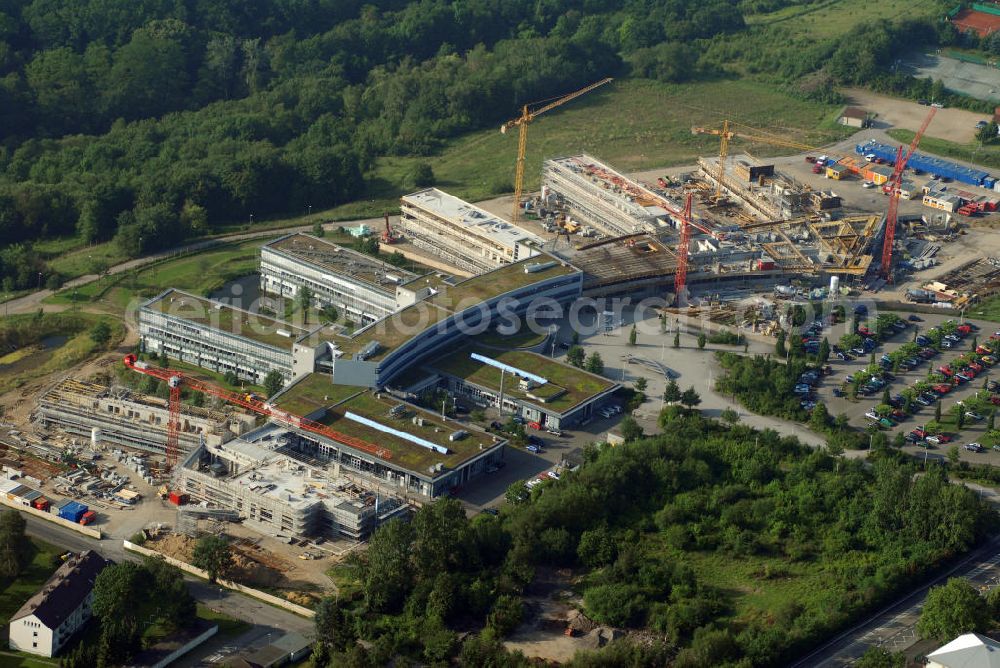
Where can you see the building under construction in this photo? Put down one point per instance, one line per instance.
(595, 195)
(281, 493)
(360, 286)
(763, 192)
(462, 234)
(104, 415)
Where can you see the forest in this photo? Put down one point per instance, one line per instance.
(149, 121)
(723, 545)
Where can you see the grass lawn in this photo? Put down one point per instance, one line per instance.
(988, 309)
(228, 626)
(78, 347)
(631, 124)
(833, 18)
(13, 593)
(199, 274)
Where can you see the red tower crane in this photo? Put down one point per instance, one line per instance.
(680, 277)
(894, 185)
(175, 379)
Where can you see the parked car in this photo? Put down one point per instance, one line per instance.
(996, 448)
(914, 318)
(919, 432)
(868, 184)
(972, 415)
(837, 392)
(923, 401)
(946, 370)
(945, 343)
(975, 447)
(532, 448)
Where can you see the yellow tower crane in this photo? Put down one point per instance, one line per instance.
(522, 121)
(725, 135)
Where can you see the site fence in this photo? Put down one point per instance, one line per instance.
(228, 584)
(55, 519)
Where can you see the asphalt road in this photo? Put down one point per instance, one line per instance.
(264, 617)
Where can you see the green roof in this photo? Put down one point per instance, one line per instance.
(403, 325)
(407, 454)
(313, 392)
(567, 386)
(225, 318)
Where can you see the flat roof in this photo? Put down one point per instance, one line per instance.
(567, 386)
(399, 327)
(314, 392)
(336, 259)
(225, 318)
(469, 217)
(405, 453)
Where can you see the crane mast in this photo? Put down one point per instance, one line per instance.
(522, 121)
(895, 185)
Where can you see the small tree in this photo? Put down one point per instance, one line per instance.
(991, 421)
(953, 609)
(330, 313)
(672, 393)
(632, 336)
(213, 555)
(690, 398)
(729, 416)
(318, 230)
(953, 454)
(824, 351)
(819, 418)
(779, 345)
(575, 356)
(702, 340)
(631, 431)
(305, 298)
(886, 397)
(101, 333)
(937, 411)
(420, 175)
(273, 382)
(594, 364)
(575, 339)
(640, 384)
(231, 378)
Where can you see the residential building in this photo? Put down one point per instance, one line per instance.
(461, 234)
(49, 619)
(970, 650)
(361, 287)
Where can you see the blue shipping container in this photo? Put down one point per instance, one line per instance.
(72, 511)
(926, 163)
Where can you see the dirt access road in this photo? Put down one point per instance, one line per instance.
(957, 125)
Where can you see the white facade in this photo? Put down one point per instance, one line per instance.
(47, 621)
(362, 287)
(28, 634)
(210, 346)
(461, 234)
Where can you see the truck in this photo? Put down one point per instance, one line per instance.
(178, 498)
(88, 517)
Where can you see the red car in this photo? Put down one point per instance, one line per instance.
(976, 366)
(535, 425)
(946, 371)
(995, 400)
(942, 388)
(963, 329)
(864, 331)
(919, 432)
(983, 349)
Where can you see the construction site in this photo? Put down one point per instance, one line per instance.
(373, 419)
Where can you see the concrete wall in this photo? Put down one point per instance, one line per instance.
(228, 584)
(51, 517)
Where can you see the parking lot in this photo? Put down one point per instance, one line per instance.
(855, 410)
